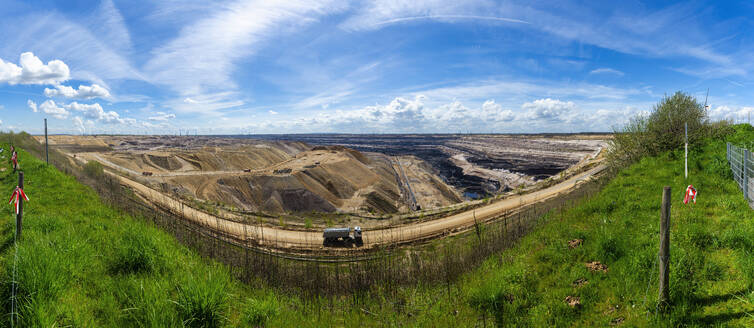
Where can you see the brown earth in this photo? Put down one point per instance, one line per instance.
(281, 238)
(263, 176)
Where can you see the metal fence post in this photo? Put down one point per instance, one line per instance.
(745, 182)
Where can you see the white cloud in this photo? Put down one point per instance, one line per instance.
(272, 112)
(634, 30)
(550, 109)
(523, 91)
(32, 105)
(83, 92)
(95, 46)
(95, 112)
(377, 14)
(162, 116)
(49, 107)
(224, 36)
(420, 114)
(107, 23)
(736, 114)
(207, 103)
(494, 111)
(33, 71)
(410, 115)
(607, 70)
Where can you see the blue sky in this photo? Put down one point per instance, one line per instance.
(365, 66)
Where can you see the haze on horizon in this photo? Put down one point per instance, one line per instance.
(435, 66)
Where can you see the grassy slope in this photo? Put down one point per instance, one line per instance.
(712, 252)
(84, 264)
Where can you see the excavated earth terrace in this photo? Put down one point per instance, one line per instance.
(358, 174)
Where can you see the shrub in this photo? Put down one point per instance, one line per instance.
(94, 169)
(663, 130)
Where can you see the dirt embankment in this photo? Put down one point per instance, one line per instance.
(275, 237)
(270, 177)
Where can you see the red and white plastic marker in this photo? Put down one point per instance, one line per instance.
(18, 192)
(14, 159)
(690, 195)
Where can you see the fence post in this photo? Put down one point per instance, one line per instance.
(20, 214)
(745, 182)
(664, 249)
(47, 155)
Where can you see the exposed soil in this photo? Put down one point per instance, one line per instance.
(236, 227)
(475, 165)
(579, 282)
(362, 175)
(574, 243)
(596, 266)
(573, 301)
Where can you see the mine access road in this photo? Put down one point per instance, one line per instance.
(296, 240)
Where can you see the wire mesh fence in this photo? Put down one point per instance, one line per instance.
(352, 271)
(742, 167)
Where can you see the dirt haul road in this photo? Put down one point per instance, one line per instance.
(97, 157)
(280, 238)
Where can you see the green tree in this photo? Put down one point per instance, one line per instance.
(661, 130)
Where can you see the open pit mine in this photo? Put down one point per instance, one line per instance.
(357, 174)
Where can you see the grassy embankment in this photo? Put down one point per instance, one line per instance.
(82, 263)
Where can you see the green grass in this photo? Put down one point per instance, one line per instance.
(711, 253)
(84, 264)
(81, 263)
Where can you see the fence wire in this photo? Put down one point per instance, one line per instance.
(352, 272)
(742, 166)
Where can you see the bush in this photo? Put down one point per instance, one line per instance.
(663, 130)
(94, 169)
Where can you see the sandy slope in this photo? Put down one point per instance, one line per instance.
(282, 238)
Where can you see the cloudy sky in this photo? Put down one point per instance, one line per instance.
(209, 67)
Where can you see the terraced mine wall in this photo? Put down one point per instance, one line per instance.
(352, 271)
(536, 156)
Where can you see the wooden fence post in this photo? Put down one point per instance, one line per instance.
(47, 155)
(20, 213)
(664, 249)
